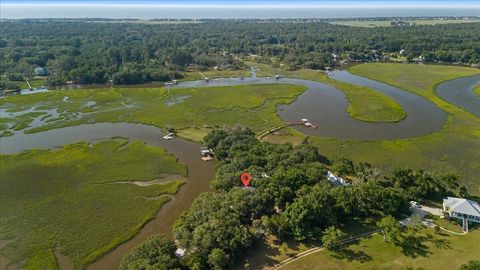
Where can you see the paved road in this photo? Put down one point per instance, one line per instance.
(426, 210)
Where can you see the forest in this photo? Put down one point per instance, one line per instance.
(289, 197)
(87, 51)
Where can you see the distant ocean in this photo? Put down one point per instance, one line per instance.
(155, 12)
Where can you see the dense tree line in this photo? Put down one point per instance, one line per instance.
(289, 197)
(127, 53)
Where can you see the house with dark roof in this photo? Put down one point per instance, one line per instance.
(463, 209)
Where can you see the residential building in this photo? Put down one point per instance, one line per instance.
(41, 71)
(463, 209)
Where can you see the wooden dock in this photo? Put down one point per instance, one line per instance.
(295, 123)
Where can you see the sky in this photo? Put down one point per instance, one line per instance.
(256, 3)
(148, 9)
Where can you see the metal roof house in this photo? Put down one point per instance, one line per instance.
(336, 180)
(459, 208)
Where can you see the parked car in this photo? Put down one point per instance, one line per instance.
(415, 204)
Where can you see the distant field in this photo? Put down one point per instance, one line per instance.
(380, 23)
(146, 21)
(69, 200)
(445, 251)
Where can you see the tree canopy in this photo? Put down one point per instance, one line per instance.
(87, 51)
(290, 197)
(156, 253)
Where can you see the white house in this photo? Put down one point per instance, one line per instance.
(459, 208)
(180, 252)
(336, 180)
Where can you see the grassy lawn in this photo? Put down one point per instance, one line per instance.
(212, 74)
(454, 149)
(189, 110)
(476, 90)
(70, 200)
(437, 251)
(264, 70)
(286, 134)
(452, 225)
(35, 82)
(270, 250)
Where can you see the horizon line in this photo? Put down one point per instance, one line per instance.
(344, 4)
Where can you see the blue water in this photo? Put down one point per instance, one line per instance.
(12, 11)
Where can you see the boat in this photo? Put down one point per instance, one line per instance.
(169, 136)
(207, 158)
(207, 153)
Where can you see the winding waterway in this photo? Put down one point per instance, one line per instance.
(199, 172)
(324, 105)
(460, 93)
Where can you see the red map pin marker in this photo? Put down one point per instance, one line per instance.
(246, 177)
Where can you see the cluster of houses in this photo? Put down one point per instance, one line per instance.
(464, 210)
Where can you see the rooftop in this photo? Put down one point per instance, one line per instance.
(462, 206)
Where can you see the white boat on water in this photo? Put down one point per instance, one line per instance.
(169, 136)
(207, 153)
